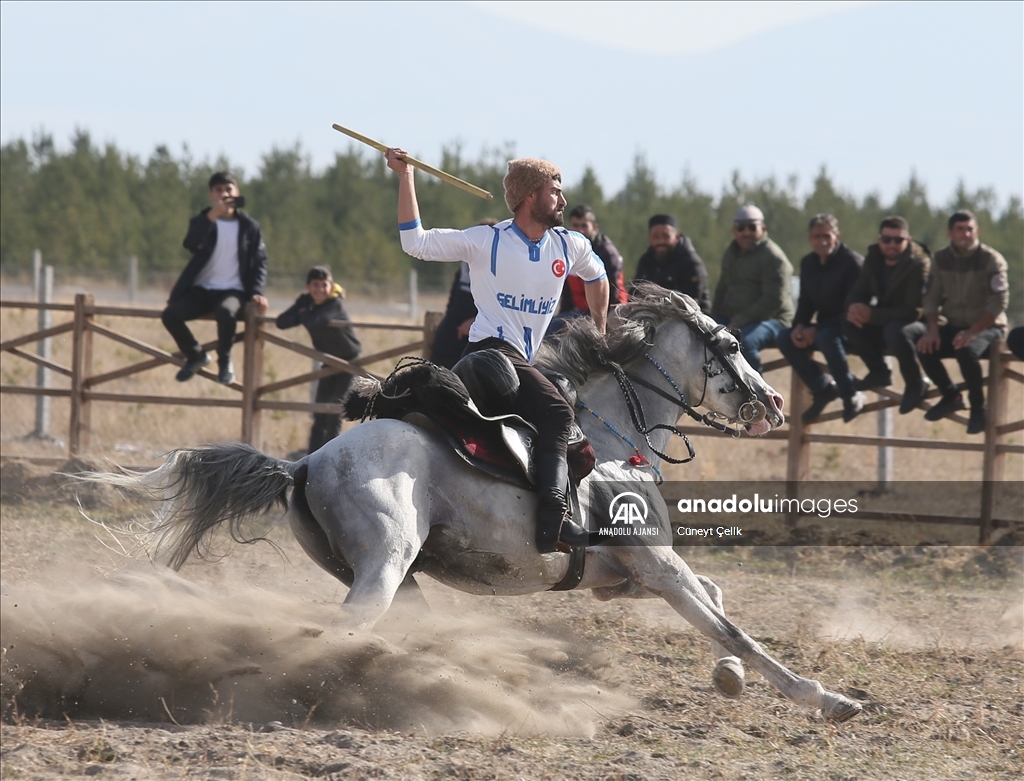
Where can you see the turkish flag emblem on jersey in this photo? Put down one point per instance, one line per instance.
(558, 267)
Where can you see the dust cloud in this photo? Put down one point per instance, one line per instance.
(154, 647)
(979, 620)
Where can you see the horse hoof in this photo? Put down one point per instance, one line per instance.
(729, 677)
(841, 709)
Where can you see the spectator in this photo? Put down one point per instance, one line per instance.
(227, 270)
(886, 297)
(573, 302)
(452, 335)
(1015, 341)
(827, 276)
(753, 293)
(322, 303)
(969, 287)
(672, 262)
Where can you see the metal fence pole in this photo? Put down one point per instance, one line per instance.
(413, 290)
(133, 278)
(44, 348)
(885, 452)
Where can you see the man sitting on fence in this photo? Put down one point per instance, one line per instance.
(968, 286)
(885, 298)
(672, 261)
(826, 277)
(317, 309)
(227, 270)
(753, 293)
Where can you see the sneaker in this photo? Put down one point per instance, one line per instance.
(821, 399)
(947, 405)
(192, 365)
(913, 395)
(976, 425)
(853, 406)
(226, 371)
(873, 380)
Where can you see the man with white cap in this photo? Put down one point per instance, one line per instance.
(517, 270)
(753, 293)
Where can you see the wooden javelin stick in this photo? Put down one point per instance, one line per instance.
(444, 177)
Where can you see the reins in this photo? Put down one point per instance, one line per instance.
(748, 411)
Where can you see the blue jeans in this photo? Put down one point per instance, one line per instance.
(832, 345)
(755, 337)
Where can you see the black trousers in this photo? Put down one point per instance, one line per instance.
(968, 357)
(448, 347)
(871, 342)
(224, 305)
(538, 401)
(327, 425)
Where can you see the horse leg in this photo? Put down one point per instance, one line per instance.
(662, 572)
(315, 542)
(728, 677)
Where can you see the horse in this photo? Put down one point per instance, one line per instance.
(390, 494)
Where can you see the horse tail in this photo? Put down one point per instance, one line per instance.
(201, 488)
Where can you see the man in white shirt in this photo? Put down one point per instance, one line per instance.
(227, 270)
(517, 270)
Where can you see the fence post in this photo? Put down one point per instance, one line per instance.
(413, 291)
(133, 278)
(81, 369)
(431, 320)
(992, 459)
(798, 450)
(44, 291)
(252, 374)
(885, 452)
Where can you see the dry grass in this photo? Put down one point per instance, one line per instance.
(934, 652)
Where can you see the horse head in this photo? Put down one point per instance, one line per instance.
(697, 363)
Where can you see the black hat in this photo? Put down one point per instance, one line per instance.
(661, 219)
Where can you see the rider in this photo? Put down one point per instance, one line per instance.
(518, 268)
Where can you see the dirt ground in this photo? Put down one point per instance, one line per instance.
(235, 668)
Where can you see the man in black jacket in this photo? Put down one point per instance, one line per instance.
(888, 296)
(672, 262)
(227, 270)
(827, 275)
(321, 304)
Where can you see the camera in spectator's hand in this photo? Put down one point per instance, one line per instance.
(239, 201)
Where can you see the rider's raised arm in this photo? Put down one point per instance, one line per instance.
(435, 244)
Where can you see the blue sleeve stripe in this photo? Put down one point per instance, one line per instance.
(408, 226)
(596, 279)
(494, 253)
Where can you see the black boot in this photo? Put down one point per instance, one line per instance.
(555, 532)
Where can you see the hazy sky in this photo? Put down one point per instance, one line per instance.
(871, 90)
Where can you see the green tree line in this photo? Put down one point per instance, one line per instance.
(90, 208)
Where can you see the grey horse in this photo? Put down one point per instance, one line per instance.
(390, 497)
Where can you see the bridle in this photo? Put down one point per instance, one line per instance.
(712, 341)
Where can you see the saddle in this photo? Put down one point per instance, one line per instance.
(499, 443)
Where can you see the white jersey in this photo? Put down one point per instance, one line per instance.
(221, 270)
(516, 283)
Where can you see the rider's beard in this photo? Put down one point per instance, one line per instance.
(549, 218)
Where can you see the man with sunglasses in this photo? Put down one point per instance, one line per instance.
(969, 287)
(753, 293)
(885, 299)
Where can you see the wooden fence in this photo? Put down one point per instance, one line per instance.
(252, 395)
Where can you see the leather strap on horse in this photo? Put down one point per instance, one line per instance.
(573, 575)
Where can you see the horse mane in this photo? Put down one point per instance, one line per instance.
(581, 350)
